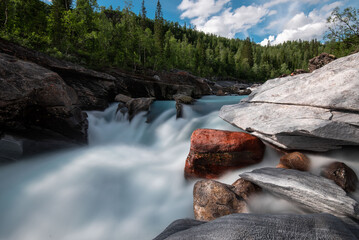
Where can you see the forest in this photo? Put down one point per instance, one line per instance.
(99, 37)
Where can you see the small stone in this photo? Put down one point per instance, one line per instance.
(295, 160)
(245, 189)
(212, 199)
(342, 175)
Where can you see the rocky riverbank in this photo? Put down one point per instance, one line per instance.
(42, 99)
(315, 111)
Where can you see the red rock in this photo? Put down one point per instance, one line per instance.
(342, 175)
(295, 160)
(213, 152)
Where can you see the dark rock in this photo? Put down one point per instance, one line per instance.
(182, 99)
(295, 160)
(212, 199)
(262, 226)
(342, 175)
(213, 152)
(309, 191)
(320, 61)
(245, 189)
(179, 109)
(122, 98)
(298, 71)
(94, 89)
(137, 105)
(36, 101)
(164, 88)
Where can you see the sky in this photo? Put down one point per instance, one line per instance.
(263, 21)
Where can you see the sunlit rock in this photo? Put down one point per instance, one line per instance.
(213, 152)
(316, 111)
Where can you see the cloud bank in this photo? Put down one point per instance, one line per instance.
(279, 20)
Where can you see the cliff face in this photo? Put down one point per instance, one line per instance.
(317, 111)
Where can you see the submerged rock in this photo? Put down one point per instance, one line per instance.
(213, 152)
(295, 160)
(316, 111)
(262, 226)
(212, 199)
(342, 175)
(309, 191)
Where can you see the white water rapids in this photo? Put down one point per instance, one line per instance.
(127, 184)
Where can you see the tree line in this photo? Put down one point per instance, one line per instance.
(101, 37)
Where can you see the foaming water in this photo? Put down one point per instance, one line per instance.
(127, 184)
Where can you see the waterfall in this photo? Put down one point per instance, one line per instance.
(127, 184)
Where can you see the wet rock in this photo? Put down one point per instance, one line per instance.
(213, 152)
(212, 200)
(164, 87)
(342, 175)
(320, 61)
(316, 111)
(262, 226)
(182, 99)
(295, 160)
(245, 189)
(122, 98)
(35, 101)
(137, 105)
(309, 191)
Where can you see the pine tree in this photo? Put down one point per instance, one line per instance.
(159, 41)
(143, 15)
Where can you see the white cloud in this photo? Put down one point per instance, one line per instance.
(304, 27)
(200, 10)
(231, 21)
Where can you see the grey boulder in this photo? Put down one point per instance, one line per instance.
(261, 226)
(316, 111)
(309, 191)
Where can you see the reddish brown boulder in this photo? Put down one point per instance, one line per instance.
(212, 199)
(295, 160)
(245, 189)
(320, 61)
(342, 175)
(214, 151)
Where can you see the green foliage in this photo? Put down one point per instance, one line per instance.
(343, 33)
(101, 38)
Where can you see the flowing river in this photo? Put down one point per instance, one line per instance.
(127, 184)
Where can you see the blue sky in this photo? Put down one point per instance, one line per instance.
(262, 20)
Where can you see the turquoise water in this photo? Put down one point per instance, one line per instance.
(127, 184)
